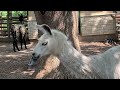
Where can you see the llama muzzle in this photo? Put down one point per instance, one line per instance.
(33, 60)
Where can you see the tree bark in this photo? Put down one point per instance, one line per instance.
(67, 22)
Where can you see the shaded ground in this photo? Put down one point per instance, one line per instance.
(94, 48)
(13, 65)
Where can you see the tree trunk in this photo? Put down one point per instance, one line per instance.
(67, 22)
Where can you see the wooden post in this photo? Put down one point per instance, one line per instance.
(27, 14)
(9, 14)
(79, 22)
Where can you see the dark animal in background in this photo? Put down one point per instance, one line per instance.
(111, 41)
(18, 33)
(21, 19)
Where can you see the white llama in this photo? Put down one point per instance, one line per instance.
(102, 66)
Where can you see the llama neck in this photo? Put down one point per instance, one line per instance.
(75, 62)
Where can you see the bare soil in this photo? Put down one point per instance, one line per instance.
(94, 48)
(13, 65)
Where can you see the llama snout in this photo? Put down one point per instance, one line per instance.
(33, 59)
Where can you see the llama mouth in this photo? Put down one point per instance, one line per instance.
(33, 61)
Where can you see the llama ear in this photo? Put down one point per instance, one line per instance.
(44, 28)
(40, 29)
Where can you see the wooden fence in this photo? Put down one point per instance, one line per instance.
(5, 23)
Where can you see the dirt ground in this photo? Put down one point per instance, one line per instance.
(94, 48)
(13, 65)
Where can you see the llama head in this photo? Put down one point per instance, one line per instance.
(46, 45)
(12, 28)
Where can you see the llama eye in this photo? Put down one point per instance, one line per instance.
(45, 43)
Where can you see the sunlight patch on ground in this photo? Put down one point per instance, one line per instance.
(28, 72)
(25, 51)
(16, 71)
(13, 56)
(3, 46)
(7, 60)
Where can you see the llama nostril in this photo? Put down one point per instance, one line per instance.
(33, 54)
(38, 56)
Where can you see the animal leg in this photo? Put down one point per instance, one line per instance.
(21, 43)
(16, 45)
(24, 42)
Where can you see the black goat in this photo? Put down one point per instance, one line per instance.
(19, 34)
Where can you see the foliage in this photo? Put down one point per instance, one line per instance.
(3, 13)
(14, 13)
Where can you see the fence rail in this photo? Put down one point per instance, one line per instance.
(17, 22)
(10, 18)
